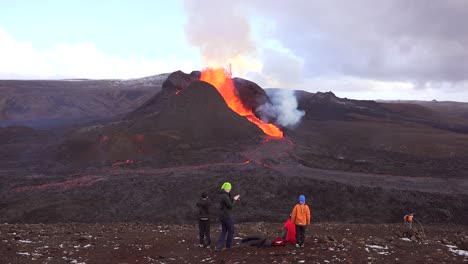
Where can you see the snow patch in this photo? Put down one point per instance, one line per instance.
(456, 251)
(76, 262)
(459, 252)
(379, 249)
(376, 247)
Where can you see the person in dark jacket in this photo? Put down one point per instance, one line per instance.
(256, 241)
(204, 220)
(225, 216)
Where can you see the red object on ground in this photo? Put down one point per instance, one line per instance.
(291, 236)
(278, 242)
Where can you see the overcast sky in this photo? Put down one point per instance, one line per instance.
(363, 49)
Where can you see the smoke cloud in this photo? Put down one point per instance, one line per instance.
(416, 44)
(222, 31)
(219, 29)
(283, 109)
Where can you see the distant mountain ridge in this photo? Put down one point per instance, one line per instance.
(43, 102)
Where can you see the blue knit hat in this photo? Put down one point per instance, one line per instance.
(302, 198)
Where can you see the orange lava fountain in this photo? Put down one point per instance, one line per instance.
(222, 80)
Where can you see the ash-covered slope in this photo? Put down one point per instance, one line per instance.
(450, 116)
(198, 112)
(250, 94)
(327, 106)
(402, 138)
(178, 117)
(175, 82)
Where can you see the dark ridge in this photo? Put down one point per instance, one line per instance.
(200, 112)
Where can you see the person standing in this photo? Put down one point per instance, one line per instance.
(226, 204)
(204, 220)
(300, 216)
(408, 219)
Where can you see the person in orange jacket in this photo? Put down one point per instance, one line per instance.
(300, 216)
(408, 219)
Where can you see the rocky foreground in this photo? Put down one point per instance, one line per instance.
(153, 243)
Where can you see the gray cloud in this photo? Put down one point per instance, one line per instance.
(385, 40)
(219, 29)
(280, 69)
(421, 42)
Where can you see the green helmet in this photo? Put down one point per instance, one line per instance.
(226, 186)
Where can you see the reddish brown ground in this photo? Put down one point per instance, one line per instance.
(153, 243)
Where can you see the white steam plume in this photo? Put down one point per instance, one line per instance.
(283, 109)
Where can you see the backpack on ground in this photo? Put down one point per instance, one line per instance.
(279, 242)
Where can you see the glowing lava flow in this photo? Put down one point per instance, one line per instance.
(221, 79)
(272, 148)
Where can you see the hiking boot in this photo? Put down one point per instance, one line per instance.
(297, 245)
(302, 245)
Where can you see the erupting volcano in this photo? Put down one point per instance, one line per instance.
(221, 79)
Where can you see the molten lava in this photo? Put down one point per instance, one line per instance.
(221, 79)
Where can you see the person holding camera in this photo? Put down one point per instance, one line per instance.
(226, 204)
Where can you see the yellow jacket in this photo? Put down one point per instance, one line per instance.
(300, 215)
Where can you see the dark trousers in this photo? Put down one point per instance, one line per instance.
(409, 224)
(204, 229)
(300, 234)
(227, 226)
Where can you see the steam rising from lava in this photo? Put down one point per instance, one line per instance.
(221, 79)
(283, 108)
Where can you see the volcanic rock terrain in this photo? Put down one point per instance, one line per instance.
(356, 161)
(161, 243)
